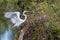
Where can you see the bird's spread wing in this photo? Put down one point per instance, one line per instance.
(14, 18)
(8, 14)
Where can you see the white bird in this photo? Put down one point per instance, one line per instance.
(15, 18)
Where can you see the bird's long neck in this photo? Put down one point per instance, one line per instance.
(25, 16)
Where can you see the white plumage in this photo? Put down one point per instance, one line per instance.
(15, 18)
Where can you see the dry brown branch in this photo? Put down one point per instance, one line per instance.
(27, 29)
(23, 30)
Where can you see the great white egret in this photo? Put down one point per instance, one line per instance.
(15, 18)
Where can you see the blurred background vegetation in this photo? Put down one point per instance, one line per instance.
(48, 29)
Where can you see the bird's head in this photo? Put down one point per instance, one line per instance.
(26, 12)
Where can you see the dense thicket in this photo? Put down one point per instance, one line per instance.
(48, 29)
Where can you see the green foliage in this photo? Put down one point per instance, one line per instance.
(49, 7)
